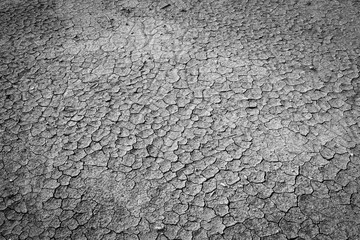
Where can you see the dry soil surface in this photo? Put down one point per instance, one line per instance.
(179, 119)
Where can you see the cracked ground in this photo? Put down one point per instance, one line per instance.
(179, 119)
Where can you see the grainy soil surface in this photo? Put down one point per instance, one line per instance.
(180, 119)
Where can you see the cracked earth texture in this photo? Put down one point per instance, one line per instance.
(180, 119)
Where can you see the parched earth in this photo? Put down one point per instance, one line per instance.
(179, 119)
